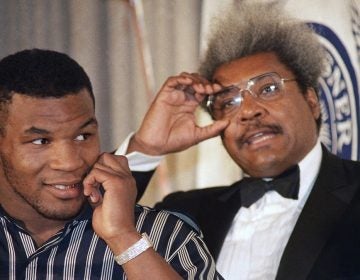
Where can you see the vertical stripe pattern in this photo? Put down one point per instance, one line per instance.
(78, 253)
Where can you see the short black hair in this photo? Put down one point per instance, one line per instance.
(41, 73)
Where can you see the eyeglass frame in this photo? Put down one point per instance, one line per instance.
(249, 84)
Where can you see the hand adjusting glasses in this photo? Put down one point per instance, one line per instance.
(266, 87)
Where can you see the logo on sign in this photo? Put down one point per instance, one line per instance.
(339, 98)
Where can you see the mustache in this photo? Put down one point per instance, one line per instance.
(274, 128)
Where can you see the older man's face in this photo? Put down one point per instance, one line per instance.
(265, 137)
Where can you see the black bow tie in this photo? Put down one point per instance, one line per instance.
(286, 184)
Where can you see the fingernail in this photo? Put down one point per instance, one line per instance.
(93, 198)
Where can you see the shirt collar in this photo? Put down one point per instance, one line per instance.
(309, 169)
(84, 215)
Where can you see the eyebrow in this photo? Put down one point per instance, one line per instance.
(36, 130)
(91, 121)
(224, 87)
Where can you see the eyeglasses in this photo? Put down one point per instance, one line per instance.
(266, 87)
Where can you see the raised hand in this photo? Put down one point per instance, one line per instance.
(113, 216)
(114, 211)
(170, 123)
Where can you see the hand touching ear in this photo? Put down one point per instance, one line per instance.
(113, 217)
(114, 211)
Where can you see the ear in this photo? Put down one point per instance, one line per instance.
(312, 99)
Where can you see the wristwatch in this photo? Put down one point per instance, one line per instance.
(134, 250)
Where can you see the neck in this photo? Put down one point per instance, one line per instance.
(41, 234)
(38, 227)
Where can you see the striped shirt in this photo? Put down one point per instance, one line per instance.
(76, 252)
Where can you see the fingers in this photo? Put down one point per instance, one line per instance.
(92, 191)
(112, 163)
(114, 210)
(109, 171)
(200, 84)
(192, 84)
(211, 130)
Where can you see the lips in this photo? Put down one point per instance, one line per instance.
(258, 135)
(65, 186)
(65, 190)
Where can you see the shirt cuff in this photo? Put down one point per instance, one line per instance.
(138, 161)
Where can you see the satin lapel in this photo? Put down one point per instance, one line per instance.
(218, 218)
(326, 204)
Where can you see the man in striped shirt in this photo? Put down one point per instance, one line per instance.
(67, 211)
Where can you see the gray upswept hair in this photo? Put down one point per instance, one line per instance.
(249, 28)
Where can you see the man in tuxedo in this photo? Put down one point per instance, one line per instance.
(297, 215)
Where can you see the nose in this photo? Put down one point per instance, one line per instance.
(66, 157)
(250, 109)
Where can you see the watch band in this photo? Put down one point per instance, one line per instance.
(134, 250)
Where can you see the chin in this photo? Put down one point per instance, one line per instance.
(61, 213)
(264, 169)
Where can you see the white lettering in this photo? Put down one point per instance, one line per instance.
(336, 81)
(344, 134)
(328, 66)
(342, 108)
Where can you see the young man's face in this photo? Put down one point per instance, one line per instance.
(265, 137)
(48, 146)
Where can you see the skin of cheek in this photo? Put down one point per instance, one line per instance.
(295, 141)
(26, 177)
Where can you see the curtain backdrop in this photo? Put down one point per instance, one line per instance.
(102, 35)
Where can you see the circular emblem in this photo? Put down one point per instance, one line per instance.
(339, 97)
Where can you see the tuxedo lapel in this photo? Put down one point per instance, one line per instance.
(327, 202)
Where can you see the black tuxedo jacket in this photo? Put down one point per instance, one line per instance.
(325, 243)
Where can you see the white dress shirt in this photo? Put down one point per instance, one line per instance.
(138, 161)
(258, 235)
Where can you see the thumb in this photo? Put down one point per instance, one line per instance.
(212, 130)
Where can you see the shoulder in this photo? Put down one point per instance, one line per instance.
(195, 203)
(148, 219)
(196, 194)
(340, 177)
(333, 164)
(190, 201)
(166, 229)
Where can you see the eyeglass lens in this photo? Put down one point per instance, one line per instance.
(266, 87)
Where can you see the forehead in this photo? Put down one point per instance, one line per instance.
(50, 113)
(249, 67)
